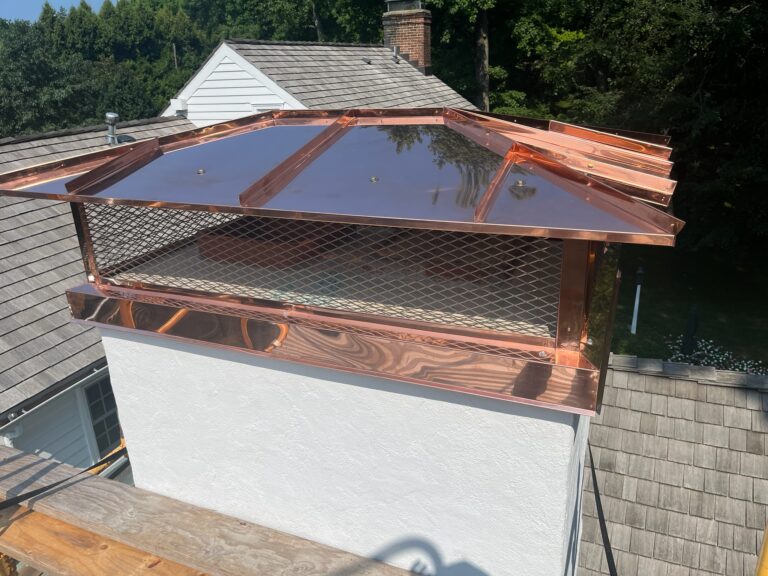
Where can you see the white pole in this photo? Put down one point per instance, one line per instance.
(640, 274)
(633, 328)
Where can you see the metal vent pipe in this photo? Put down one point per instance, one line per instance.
(111, 118)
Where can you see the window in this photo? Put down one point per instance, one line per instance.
(103, 410)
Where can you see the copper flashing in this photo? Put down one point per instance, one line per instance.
(638, 173)
(644, 147)
(468, 371)
(538, 348)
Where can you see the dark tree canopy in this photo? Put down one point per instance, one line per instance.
(693, 69)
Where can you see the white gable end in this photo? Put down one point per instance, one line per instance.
(229, 87)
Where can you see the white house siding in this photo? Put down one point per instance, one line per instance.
(411, 475)
(58, 429)
(228, 87)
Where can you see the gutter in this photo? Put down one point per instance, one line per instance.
(16, 413)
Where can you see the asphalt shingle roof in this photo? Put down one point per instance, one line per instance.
(682, 467)
(334, 76)
(40, 259)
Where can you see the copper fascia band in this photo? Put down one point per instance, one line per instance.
(397, 328)
(661, 238)
(465, 371)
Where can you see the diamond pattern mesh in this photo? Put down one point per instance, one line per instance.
(480, 281)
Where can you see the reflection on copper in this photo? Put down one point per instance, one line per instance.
(638, 174)
(567, 144)
(478, 134)
(485, 203)
(280, 338)
(616, 166)
(274, 181)
(573, 288)
(244, 331)
(611, 139)
(247, 124)
(124, 314)
(601, 306)
(404, 121)
(461, 370)
(172, 321)
(602, 195)
(536, 347)
(84, 240)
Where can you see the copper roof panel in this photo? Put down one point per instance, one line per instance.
(415, 172)
(213, 173)
(427, 168)
(535, 197)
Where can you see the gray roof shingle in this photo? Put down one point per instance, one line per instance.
(682, 467)
(323, 75)
(40, 259)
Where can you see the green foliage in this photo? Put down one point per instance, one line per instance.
(710, 353)
(69, 68)
(693, 69)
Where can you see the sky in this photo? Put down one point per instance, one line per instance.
(30, 9)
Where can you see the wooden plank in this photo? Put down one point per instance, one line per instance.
(202, 539)
(55, 547)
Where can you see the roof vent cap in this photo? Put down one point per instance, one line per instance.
(111, 118)
(179, 107)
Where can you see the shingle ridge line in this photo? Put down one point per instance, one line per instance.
(83, 129)
(301, 43)
(687, 371)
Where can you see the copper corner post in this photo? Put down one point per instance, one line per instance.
(480, 285)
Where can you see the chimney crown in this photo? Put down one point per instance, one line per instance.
(399, 5)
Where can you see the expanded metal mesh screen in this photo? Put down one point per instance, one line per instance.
(480, 281)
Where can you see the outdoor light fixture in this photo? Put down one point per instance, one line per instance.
(446, 248)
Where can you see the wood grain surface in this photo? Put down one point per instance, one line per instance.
(55, 547)
(157, 525)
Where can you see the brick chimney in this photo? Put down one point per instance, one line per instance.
(407, 27)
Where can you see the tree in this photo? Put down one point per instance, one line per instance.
(693, 69)
(475, 12)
